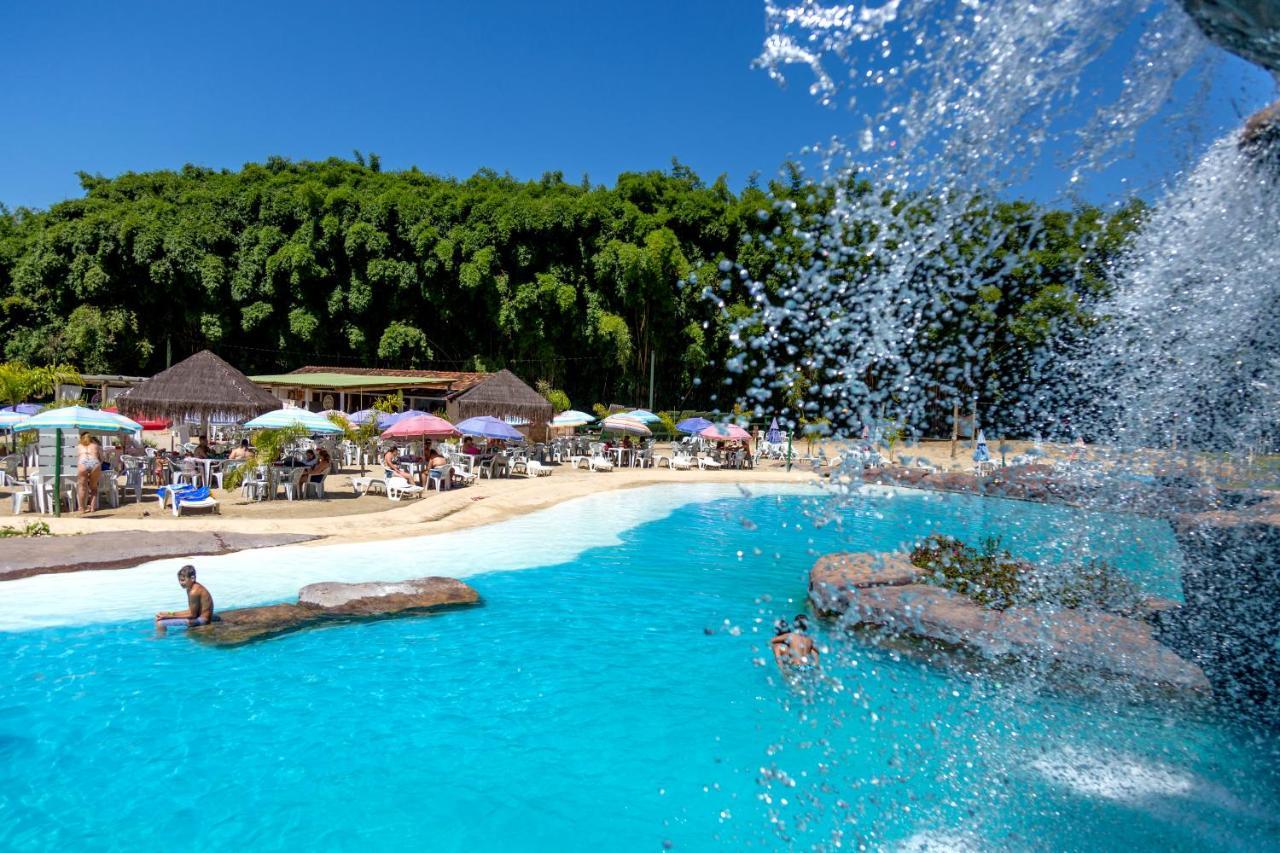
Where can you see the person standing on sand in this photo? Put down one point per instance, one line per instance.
(88, 473)
(199, 604)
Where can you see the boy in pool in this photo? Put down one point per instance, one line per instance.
(199, 603)
(793, 649)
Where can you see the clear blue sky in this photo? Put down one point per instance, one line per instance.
(523, 87)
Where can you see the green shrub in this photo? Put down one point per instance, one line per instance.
(35, 528)
(993, 577)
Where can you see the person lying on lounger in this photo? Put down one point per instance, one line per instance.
(199, 603)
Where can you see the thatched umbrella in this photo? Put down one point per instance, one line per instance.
(202, 386)
(502, 395)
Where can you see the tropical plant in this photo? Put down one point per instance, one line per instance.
(19, 383)
(269, 447)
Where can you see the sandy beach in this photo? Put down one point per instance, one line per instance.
(345, 517)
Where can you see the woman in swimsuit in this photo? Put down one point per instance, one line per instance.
(88, 472)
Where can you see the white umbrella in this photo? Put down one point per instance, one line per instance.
(625, 426)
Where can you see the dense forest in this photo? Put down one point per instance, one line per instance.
(584, 286)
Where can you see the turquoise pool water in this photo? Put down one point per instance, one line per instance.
(612, 701)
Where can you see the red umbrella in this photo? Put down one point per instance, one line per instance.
(420, 426)
(726, 432)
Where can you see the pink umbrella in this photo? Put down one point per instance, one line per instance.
(726, 432)
(420, 426)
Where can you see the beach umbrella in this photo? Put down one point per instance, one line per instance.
(80, 419)
(27, 409)
(624, 426)
(9, 419)
(74, 419)
(407, 414)
(980, 451)
(726, 432)
(281, 418)
(693, 425)
(774, 435)
(644, 416)
(572, 418)
(364, 415)
(489, 427)
(420, 426)
(328, 413)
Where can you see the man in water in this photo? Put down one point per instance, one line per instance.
(199, 603)
(793, 649)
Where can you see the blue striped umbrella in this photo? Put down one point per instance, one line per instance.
(281, 418)
(8, 420)
(644, 416)
(78, 418)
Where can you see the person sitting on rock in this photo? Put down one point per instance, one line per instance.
(793, 649)
(199, 604)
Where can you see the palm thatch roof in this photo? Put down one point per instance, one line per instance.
(502, 395)
(201, 386)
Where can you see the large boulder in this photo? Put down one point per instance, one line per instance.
(329, 602)
(1082, 640)
(834, 577)
(1231, 586)
(1248, 28)
(380, 598)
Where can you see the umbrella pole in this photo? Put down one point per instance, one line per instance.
(57, 473)
(788, 450)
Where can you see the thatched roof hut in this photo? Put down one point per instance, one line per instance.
(501, 395)
(202, 386)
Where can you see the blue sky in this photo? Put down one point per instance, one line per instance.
(580, 87)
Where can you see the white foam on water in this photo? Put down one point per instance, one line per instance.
(934, 841)
(544, 538)
(1108, 776)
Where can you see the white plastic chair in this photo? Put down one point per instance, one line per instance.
(315, 484)
(398, 487)
(441, 478)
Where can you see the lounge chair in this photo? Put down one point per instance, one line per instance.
(193, 499)
(398, 487)
(534, 468)
(705, 462)
(167, 494)
(681, 461)
(463, 477)
(599, 463)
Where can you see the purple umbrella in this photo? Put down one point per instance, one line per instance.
(489, 427)
(774, 435)
(364, 415)
(407, 413)
(23, 409)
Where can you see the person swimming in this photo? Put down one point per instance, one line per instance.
(793, 649)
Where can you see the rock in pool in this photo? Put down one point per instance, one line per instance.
(322, 603)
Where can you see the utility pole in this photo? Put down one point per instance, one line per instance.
(652, 362)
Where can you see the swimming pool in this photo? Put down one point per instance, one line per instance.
(608, 695)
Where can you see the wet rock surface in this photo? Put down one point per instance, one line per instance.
(327, 603)
(21, 557)
(1231, 586)
(1079, 639)
(835, 577)
(1248, 28)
